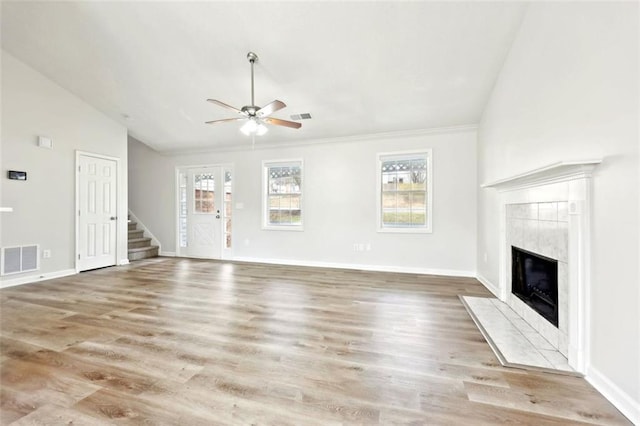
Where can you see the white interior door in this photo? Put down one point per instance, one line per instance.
(97, 214)
(204, 212)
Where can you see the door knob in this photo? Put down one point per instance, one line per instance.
(113, 217)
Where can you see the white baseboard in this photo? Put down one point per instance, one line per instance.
(123, 262)
(489, 285)
(36, 278)
(623, 401)
(167, 253)
(374, 268)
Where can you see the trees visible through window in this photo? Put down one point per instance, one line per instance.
(283, 194)
(404, 191)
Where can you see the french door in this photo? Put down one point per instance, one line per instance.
(204, 206)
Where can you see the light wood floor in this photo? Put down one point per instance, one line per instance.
(190, 342)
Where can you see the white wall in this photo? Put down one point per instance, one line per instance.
(569, 91)
(339, 203)
(44, 205)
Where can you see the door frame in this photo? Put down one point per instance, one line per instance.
(119, 260)
(225, 253)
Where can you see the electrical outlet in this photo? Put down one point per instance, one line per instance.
(46, 254)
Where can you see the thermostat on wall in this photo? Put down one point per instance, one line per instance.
(16, 175)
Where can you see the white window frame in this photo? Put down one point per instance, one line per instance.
(423, 153)
(266, 164)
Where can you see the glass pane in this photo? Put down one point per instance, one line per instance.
(294, 202)
(418, 200)
(285, 202)
(203, 193)
(207, 206)
(274, 201)
(227, 226)
(389, 217)
(404, 200)
(274, 216)
(389, 181)
(227, 203)
(285, 216)
(296, 216)
(388, 199)
(228, 240)
(419, 174)
(418, 218)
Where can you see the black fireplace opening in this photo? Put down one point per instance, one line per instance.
(534, 280)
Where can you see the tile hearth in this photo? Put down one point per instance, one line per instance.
(515, 342)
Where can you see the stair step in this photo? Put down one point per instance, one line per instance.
(136, 234)
(132, 226)
(143, 252)
(139, 242)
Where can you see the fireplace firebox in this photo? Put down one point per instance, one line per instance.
(534, 280)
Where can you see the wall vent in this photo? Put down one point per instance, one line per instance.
(14, 260)
(302, 116)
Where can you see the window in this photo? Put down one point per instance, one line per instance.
(227, 208)
(204, 193)
(404, 192)
(283, 194)
(182, 208)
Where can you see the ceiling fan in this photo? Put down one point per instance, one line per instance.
(254, 116)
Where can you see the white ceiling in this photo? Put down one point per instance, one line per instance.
(357, 67)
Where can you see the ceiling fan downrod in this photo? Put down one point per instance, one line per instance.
(253, 58)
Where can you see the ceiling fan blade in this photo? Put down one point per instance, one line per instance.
(224, 120)
(270, 108)
(284, 123)
(223, 105)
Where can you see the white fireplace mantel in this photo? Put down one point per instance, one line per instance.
(557, 172)
(562, 182)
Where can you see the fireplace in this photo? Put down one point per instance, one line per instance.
(548, 211)
(535, 282)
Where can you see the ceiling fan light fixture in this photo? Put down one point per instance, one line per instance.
(253, 127)
(249, 127)
(261, 129)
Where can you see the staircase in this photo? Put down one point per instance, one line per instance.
(139, 246)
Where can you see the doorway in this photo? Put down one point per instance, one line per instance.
(97, 209)
(205, 212)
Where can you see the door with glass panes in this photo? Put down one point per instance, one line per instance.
(204, 212)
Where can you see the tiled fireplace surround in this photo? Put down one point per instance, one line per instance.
(542, 228)
(547, 211)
